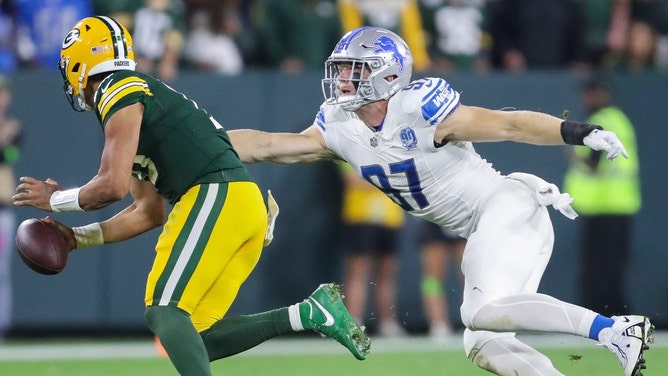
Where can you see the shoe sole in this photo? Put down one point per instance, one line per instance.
(359, 339)
(648, 337)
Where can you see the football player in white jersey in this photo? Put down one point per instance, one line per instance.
(413, 140)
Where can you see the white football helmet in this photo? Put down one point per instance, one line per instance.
(382, 52)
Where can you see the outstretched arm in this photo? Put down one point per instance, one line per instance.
(284, 148)
(477, 124)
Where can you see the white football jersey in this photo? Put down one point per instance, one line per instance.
(445, 185)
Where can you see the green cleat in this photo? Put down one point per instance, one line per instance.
(334, 320)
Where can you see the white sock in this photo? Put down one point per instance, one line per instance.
(295, 318)
(534, 312)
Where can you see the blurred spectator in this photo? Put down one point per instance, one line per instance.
(607, 196)
(440, 249)
(42, 24)
(372, 229)
(237, 20)
(401, 16)
(641, 47)
(10, 137)
(298, 34)
(537, 34)
(122, 11)
(455, 34)
(248, 39)
(8, 16)
(636, 37)
(158, 39)
(655, 13)
(213, 48)
(606, 31)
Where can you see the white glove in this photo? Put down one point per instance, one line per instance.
(547, 193)
(272, 213)
(605, 141)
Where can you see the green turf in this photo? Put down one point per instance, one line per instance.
(593, 361)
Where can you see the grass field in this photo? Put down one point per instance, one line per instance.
(306, 357)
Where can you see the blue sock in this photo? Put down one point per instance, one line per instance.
(600, 323)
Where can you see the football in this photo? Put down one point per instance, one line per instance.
(41, 246)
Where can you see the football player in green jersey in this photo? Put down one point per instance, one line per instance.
(159, 146)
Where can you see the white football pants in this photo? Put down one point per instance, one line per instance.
(505, 258)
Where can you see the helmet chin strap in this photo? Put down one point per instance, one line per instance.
(81, 98)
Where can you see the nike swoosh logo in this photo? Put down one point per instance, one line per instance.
(104, 88)
(329, 319)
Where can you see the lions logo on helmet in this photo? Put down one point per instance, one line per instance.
(94, 45)
(376, 49)
(386, 44)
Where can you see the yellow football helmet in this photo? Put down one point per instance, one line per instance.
(95, 45)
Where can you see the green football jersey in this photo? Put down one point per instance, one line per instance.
(180, 144)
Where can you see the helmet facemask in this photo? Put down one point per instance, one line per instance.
(364, 92)
(70, 92)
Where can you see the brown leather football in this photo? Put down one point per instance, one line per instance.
(41, 246)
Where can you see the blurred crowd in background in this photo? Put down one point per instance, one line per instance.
(231, 36)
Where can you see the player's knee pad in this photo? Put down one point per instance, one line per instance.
(479, 312)
(468, 312)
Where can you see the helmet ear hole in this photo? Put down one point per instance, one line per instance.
(367, 91)
(75, 68)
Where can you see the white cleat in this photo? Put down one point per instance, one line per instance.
(628, 338)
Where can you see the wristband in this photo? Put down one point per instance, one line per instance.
(88, 235)
(65, 201)
(574, 132)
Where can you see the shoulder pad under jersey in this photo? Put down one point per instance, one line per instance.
(118, 90)
(434, 98)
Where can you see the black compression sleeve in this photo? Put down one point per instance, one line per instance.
(573, 132)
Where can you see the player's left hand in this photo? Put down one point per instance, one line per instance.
(35, 193)
(65, 231)
(606, 141)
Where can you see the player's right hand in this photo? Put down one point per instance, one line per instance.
(35, 193)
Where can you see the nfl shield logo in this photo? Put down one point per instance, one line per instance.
(408, 138)
(373, 141)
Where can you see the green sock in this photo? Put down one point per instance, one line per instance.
(232, 335)
(180, 339)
